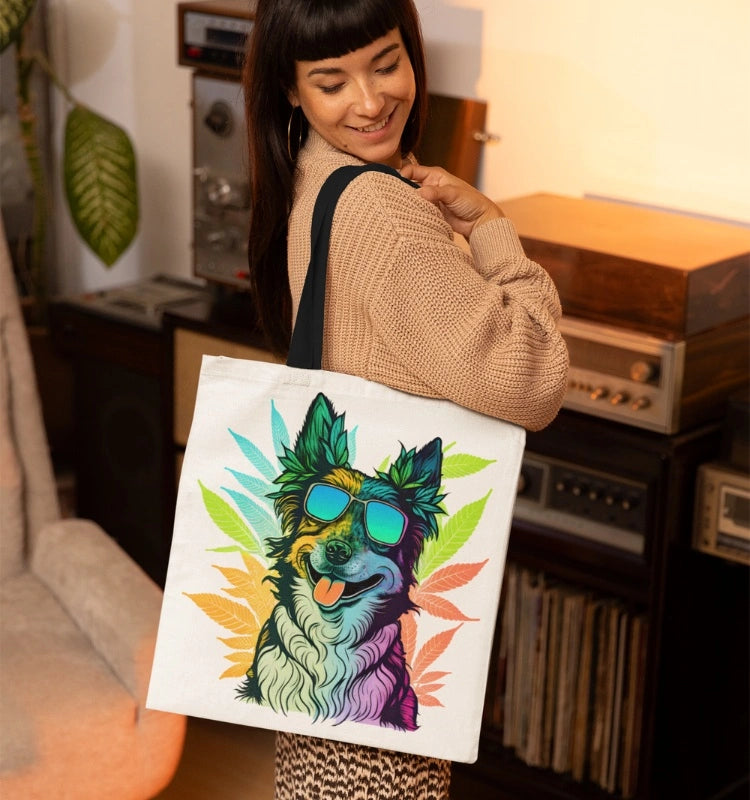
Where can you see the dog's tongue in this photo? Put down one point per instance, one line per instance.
(328, 592)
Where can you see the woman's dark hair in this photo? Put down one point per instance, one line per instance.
(286, 31)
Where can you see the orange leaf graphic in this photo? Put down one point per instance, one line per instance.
(241, 658)
(432, 649)
(409, 635)
(451, 577)
(428, 700)
(230, 615)
(431, 677)
(240, 642)
(235, 671)
(440, 607)
(428, 688)
(250, 588)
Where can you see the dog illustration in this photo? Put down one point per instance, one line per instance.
(342, 572)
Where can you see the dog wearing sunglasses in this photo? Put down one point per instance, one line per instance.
(341, 574)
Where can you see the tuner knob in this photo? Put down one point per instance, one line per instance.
(619, 398)
(523, 482)
(642, 371)
(640, 403)
(219, 119)
(599, 393)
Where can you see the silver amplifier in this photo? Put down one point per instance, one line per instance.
(623, 375)
(656, 384)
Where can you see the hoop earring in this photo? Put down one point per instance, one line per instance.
(289, 133)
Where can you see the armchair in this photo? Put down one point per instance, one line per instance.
(78, 621)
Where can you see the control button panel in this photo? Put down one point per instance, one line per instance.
(584, 502)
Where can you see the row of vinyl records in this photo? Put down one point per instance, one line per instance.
(566, 691)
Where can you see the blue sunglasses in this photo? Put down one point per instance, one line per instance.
(384, 523)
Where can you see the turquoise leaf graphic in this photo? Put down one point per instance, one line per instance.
(264, 524)
(255, 456)
(257, 487)
(279, 432)
(352, 444)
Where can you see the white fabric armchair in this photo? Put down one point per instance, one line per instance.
(78, 621)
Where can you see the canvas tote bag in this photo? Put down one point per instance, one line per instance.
(338, 549)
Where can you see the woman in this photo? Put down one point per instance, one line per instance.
(335, 82)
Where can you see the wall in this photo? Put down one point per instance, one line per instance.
(646, 101)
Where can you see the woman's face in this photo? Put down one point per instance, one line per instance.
(360, 102)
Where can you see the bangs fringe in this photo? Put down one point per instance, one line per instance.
(333, 28)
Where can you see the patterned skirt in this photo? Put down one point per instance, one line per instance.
(318, 769)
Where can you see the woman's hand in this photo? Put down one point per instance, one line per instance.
(463, 206)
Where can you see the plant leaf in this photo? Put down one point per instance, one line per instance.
(230, 615)
(431, 650)
(258, 488)
(239, 642)
(255, 457)
(279, 432)
(13, 16)
(409, 635)
(428, 688)
(235, 671)
(431, 677)
(261, 521)
(463, 464)
(453, 535)
(100, 183)
(245, 658)
(440, 607)
(252, 589)
(451, 577)
(428, 700)
(229, 521)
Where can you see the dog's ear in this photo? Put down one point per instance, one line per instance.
(417, 475)
(322, 441)
(428, 464)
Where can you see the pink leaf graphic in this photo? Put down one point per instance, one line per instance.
(451, 577)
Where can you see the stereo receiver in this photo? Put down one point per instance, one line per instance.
(653, 383)
(722, 513)
(213, 34)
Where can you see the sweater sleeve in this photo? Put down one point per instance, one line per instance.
(477, 329)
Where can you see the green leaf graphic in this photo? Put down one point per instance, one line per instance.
(453, 536)
(229, 521)
(463, 464)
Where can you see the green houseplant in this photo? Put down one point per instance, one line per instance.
(98, 161)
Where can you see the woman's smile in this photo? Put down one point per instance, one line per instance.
(360, 102)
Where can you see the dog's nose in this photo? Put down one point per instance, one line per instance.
(338, 552)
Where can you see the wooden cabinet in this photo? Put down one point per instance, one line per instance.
(654, 584)
(118, 453)
(207, 327)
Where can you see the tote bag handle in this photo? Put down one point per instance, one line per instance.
(306, 348)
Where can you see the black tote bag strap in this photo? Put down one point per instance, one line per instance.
(306, 348)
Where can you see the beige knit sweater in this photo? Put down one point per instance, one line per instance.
(409, 308)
